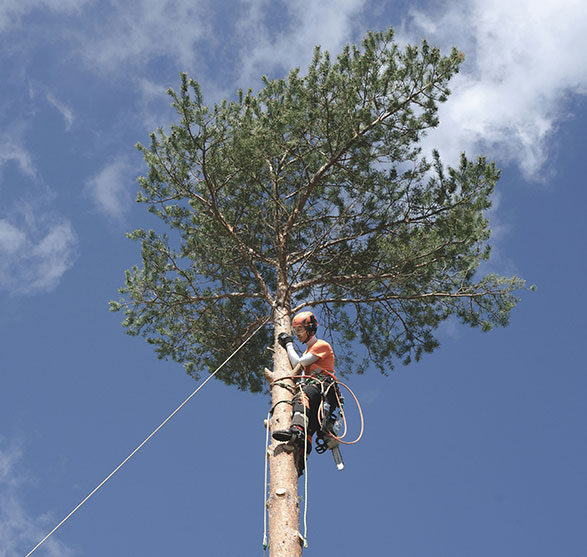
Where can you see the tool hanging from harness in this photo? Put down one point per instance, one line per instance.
(331, 424)
(326, 437)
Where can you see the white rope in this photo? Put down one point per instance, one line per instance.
(267, 426)
(306, 474)
(146, 440)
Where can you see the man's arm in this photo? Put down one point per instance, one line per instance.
(305, 359)
(294, 359)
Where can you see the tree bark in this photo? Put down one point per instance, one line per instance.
(283, 506)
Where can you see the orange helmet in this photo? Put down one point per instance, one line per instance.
(307, 320)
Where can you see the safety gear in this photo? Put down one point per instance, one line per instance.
(308, 321)
(293, 433)
(296, 434)
(284, 339)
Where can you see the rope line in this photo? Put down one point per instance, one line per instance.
(147, 439)
(267, 428)
(306, 473)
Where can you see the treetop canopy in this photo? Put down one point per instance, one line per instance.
(313, 192)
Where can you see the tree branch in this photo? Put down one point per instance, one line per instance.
(245, 251)
(390, 297)
(315, 180)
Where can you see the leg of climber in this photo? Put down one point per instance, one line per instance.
(305, 416)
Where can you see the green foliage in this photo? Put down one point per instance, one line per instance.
(313, 192)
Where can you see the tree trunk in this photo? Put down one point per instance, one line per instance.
(283, 507)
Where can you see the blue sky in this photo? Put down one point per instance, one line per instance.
(478, 450)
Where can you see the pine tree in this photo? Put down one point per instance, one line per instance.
(312, 193)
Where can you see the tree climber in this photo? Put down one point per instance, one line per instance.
(317, 382)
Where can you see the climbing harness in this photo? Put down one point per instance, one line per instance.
(328, 436)
(148, 438)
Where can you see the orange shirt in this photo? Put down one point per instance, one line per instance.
(325, 355)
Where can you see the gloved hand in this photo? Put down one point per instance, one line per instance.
(284, 339)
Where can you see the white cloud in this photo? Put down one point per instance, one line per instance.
(523, 64)
(329, 23)
(135, 32)
(8, 459)
(36, 248)
(51, 257)
(11, 11)
(111, 188)
(30, 262)
(12, 240)
(154, 104)
(19, 531)
(63, 109)
(13, 150)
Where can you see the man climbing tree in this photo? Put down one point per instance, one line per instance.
(312, 193)
(317, 387)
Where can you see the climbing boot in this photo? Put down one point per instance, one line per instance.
(292, 434)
